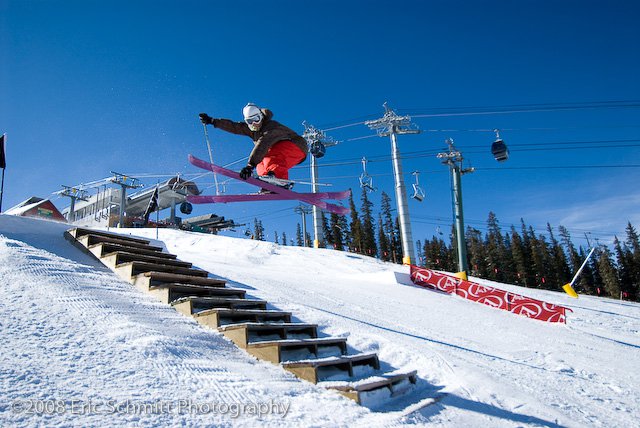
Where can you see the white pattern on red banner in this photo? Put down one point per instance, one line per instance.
(490, 296)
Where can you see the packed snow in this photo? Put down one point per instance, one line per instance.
(82, 347)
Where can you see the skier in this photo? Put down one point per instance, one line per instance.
(277, 148)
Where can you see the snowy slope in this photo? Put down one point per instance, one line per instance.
(73, 331)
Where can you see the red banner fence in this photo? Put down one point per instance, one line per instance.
(491, 296)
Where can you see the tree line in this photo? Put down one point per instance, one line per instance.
(519, 256)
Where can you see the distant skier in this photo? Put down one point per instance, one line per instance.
(277, 148)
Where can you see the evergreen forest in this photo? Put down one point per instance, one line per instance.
(519, 255)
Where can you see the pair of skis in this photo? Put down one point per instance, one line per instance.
(279, 193)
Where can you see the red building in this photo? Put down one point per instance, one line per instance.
(37, 207)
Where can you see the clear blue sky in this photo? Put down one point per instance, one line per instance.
(90, 87)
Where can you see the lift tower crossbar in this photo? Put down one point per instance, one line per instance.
(74, 194)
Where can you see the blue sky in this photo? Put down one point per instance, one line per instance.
(92, 87)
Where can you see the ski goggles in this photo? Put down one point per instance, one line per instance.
(256, 118)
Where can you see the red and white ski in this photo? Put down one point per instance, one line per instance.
(279, 193)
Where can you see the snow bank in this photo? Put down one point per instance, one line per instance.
(74, 331)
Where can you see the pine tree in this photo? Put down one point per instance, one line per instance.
(530, 273)
(574, 258)
(391, 229)
(336, 231)
(633, 240)
(477, 253)
(454, 248)
(565, 238)
(284, 238)
(538, 252)
(508, 267)
(387, 229)
(609, 273)
(396, 243)
(561, 274)
(521, 261)
(428, 255)
(299, 235)
(434, 257)
(594, 266)
(368, 233)
(383, 240)
(624, 262)
(633, 244)
(437, 255)
(258, 230)
(326, 232)
(342, 230)
(496, 251)
(448, 257)
(586, 280)
(275, 237)
(419, 253)
(356, 243)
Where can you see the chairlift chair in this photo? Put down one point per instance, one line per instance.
(366, 181)
(317, 149)
(499, 148)
(418, 193)
(186, 208)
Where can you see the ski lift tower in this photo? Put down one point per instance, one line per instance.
(318, 142)
(75, 194)
(393, 125)
(453, 159)
(125, 183)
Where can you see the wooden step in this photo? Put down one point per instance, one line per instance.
(79, 231)
(130, 269)
(149, 279)
(278, 351)
(89, 240)
(170, 292)
(217, 317)
(376, 388)
(192, 305)
(114, 259)
(104, 248)
(335, 367)
(243, 334)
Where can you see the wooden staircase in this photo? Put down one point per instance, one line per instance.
(265, 333)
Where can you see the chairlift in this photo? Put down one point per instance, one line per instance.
(418, 193)
(499, 148)
(366, 181)
(186, 208)
(317, 149)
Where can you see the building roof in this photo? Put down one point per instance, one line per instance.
(36, 207)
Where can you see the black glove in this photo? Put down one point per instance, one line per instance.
(206, 119)
(246, 172)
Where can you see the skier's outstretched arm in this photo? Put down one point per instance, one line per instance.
(227, 125)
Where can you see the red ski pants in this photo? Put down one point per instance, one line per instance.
(280, 158)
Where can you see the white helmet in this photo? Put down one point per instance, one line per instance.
(252, 116)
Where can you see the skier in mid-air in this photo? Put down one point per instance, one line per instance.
(277, 148)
